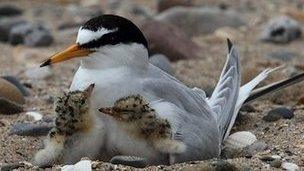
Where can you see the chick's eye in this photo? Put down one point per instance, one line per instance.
(82, 101)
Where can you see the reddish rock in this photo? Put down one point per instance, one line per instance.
(10, 92)
(169, 40)
(165, 4)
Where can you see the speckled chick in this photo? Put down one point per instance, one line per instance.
(139, 120)
(73, 133)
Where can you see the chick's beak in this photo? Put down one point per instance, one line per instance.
(73, 51)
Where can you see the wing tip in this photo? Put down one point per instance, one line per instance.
(229, 44)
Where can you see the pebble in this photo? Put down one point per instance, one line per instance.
(38, 73)
(9, 107)
(10, 167)
(34, 35)
(254, 148)
(281, 29)
(6, 24)
(31, 129)
(278, 113)
(247, 108)
(169, 40)
(133, 161)
(83, 165)
(162, 62)
(10, 92)
(239, 140)
(37, 116)
(223, 165)
(276, 163)
(9, 11)
(290, 166)
(166, 4)
(283, 55)
(15, 81)
(201, 20)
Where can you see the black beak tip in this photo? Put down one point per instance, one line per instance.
(46, 63)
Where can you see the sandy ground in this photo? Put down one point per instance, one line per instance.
(283, 137)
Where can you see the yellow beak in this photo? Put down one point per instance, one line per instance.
(73, 51)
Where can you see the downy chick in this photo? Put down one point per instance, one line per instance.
(73, 133)
(139, 120)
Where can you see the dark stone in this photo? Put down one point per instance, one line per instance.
(267, 159)
(281, 30)
(6, 24)
(278, 113)
(247, 108)
(16, 83)
(283, 55)
(201, 20)
(10, 167)
(133, 161)
(166, 4)
(256, 147)
(9, 10)
(169, 40)
(9, 107)
(162, 62)
(222, 165)
(31, 129)
(242, 118)
(30, 35)
(39, 38)
(276, 163)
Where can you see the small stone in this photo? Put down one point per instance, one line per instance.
(31, 129)
(253, 149)
(39, 38)
(283, 55)
(37, 116)
(15, 81)
(201, 20)
(162, 62)
(10, 167)
(223, 165)
(30, 35)
(39, 73)
(166, 4)
(290, 166)
(278, 113)
(281, 30)
(247, 108)
(169, 40)
(9, 11)
(267, 159)
(276, 163)
(6, 24)
(10, 92)
(9, 107)
(133, 161)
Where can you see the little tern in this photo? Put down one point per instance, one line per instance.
(114, 56)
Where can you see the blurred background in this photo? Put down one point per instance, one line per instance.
(187, 38)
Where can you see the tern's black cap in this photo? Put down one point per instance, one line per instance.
(122, 31)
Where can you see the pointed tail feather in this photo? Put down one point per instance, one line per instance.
(260, 92)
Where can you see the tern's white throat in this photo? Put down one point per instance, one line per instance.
(120, 55)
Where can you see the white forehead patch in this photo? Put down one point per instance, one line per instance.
(85, 35)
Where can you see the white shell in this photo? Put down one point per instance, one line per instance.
(240, 139)
(83, 165)
(37, 116)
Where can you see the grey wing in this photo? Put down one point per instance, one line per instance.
(200, 135)
(225, 95)
(165, 87)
